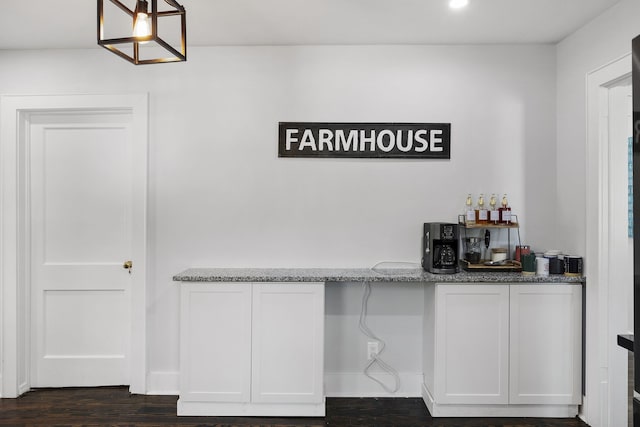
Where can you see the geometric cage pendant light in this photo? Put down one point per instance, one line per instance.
(137, 37)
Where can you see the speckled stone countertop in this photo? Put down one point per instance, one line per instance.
(359, 275)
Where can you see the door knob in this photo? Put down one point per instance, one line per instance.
(127, 265)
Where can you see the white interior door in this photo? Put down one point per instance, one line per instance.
(80, 181)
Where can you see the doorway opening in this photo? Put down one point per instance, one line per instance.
(609, 259)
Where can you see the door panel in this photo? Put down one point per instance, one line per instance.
(102, 314)
(81, 234)
(86, 195)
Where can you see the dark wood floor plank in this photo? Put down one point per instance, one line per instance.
(114, 406)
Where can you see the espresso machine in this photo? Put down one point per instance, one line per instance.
(440, 247)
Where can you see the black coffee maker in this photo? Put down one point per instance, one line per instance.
(440, 247)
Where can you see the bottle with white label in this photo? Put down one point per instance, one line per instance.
(469, 212)
(505, 211)
(494, 214)
(482, 214)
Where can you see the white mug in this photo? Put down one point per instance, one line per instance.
(542, 266)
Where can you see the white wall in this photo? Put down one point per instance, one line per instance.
(220, 196)
(603, 40)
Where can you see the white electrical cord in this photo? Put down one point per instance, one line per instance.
(375, 359)
(388, 266)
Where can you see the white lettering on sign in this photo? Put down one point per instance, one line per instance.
(290, 139)
(307, 140)
(350, 143)
(435, 141)
(326, 138)
(424, 145)
(409, 141)
(390, 138)
(364, 139)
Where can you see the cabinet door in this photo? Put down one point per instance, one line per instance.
(472, 344)
(288, 342)
(546, 344)
(215, 342)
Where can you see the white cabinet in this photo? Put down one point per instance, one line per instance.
(546, 344)
(502, 349)
(252, 349)
(215, 342)
(473, 344)
(288, 349)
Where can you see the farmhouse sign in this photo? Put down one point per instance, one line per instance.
(365, 140)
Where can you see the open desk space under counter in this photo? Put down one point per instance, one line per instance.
(494, 344)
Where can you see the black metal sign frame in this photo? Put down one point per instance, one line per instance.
(365, 140)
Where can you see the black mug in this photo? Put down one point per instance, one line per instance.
(572, 265)
(556, 266)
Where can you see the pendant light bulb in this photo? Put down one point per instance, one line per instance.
(141, 21)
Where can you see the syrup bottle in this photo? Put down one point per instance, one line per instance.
(469, 213)
(482, 214)
(494, 214)
(505, 211)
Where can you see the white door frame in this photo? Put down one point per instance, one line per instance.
(598, 268)
(14, 246)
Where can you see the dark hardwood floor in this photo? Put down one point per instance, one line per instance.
(114, 406)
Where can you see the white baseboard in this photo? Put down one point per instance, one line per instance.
(248, 409)
(466, 410)
(163, 383)
(336, 384)
(19, 391)
(23, 388)
(356, 384)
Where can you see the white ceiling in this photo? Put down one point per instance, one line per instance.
(35, 24)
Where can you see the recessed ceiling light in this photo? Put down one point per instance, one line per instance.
(458, 4)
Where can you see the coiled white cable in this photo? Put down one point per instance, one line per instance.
(375, 359)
